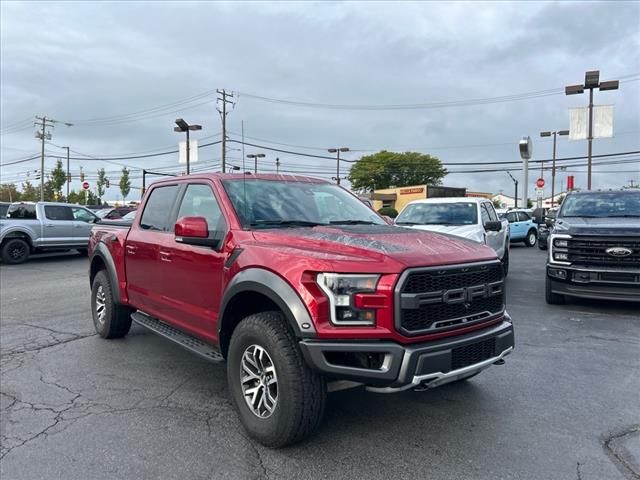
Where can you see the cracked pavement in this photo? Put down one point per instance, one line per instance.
(74, 406)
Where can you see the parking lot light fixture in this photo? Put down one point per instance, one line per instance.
(255, 157)
(183, 126)
(553, 167)
(337, 152)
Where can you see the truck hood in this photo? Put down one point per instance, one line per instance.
(619, 226)
(465, 231)
(376, 243)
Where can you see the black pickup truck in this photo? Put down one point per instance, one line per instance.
(594, 247)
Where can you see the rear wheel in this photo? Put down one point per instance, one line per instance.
(15, 251)
(110, 319)
(279, 399)
(550, 297)
(531, 238)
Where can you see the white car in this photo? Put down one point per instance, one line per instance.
(472, 218)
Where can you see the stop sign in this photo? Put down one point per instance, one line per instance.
(85, 185)
(540, 183)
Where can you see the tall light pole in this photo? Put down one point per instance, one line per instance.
(183, 126)
(553, 167)
(526, 149)
(591, 82)
(255, 157)
(68, 173)
(515, 182)
(337, 152)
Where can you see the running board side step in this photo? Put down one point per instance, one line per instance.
(183, 339)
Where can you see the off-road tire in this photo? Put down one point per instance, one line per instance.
(550, 297)
(531, 238)
(15, 251)
(117, 318)
(301, 392)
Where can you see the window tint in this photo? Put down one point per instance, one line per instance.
(512, 217)
(524, 216)
(484, 213)
(58, 212)
(158, 208)
(199, 201)
(82, 215)
(22, 211)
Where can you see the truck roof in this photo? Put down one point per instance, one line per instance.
(247, 176)
(450, 200)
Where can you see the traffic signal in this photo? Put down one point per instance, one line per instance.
(82, 176)
(107, 184)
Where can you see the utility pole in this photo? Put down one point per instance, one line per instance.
(591, 82)
(68, 173)
(337, 152)
(223, 113)
(44, 122)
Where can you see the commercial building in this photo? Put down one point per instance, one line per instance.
(398, 197)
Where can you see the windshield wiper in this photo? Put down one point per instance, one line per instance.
(284, 223)
(409, 223)
(353, 222)
(626, 215)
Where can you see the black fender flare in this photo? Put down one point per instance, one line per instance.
(277, 290)
(102, 252)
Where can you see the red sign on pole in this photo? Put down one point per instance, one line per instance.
(570, 182)
(540, 183)
(85, 185)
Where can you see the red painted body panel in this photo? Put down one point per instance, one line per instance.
(184, 284)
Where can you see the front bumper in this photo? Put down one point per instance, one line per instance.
(599, 284)
(428, 364)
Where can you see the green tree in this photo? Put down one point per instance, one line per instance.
(391, 169)
(529, 203)
(57, 179)
(496, 203)
(560, 200)
(29, 192)
(125, 183)
(9, 193)
(101, 183)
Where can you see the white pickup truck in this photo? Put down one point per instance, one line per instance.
(467, 217)
(43, 226)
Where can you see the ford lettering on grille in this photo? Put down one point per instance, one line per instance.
(431, 300)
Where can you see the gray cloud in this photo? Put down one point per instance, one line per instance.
(76, 61)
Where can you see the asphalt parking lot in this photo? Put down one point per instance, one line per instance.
(73, 406)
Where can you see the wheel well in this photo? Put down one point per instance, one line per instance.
(20, 235)
(240, 306)
(97, 264)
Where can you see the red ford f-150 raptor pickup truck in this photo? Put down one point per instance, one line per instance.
(300, 288)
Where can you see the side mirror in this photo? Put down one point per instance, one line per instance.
(549, 221)
(194, 231)
(493, 226)
(538, 216)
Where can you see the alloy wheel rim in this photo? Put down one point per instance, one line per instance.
(18, 251)
(101, 302)
(259, 381)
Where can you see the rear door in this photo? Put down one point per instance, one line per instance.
(193, 287)
(146, 275)
(515, 226)
(58, 226)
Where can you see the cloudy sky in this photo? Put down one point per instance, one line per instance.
(121, 72)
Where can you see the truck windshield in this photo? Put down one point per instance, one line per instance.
(602, 204)
(263, 203)
(439, 214)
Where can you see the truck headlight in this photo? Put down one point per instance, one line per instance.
(344, 294)
(559, 248)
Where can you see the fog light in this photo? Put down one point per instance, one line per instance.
(561, 256)
(557, 273)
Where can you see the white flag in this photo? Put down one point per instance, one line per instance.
(602, 122)
(193, 152)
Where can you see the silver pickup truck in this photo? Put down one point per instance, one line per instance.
(43, 226)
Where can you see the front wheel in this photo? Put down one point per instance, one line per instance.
(531, 238)
(550, 297)
(15, 251)
(279, 399)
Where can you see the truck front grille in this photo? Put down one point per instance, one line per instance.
(592, 251)
(442, 298)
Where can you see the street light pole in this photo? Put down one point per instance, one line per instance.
(68, 174)
(183, 126)
(553, 165)
(591, 82)
(255, 157)
(515, 204)
(337, 152)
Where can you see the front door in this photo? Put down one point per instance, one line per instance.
(515, 226)
(194, 290)
(82, 224)
(57, 226)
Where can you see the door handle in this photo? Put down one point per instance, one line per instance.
(131, 250)
(165, 256)
(50, 225)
